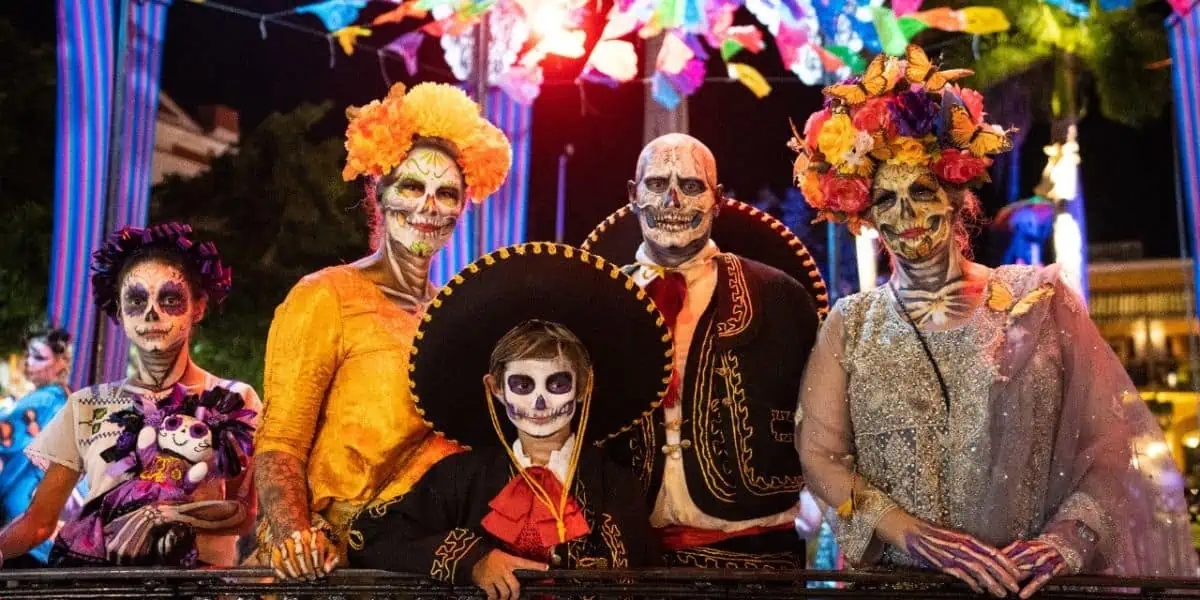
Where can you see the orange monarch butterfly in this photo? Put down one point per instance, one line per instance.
(878, 80)
(978, 139)
(921, 71)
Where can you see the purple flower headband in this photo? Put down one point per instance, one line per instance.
(200, 259)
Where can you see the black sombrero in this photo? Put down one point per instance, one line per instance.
(739, 229)
(630, 346)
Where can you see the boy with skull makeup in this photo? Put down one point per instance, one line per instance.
(157, 283)
(960, 418)
(533, 492)
(46, 365)
(716, 463)
(337, 353)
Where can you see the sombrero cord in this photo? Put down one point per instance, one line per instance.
(542, 495)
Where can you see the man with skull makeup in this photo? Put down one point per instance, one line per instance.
(47, 364)
(960, 418)
(157, 283)
(340, 430)
(716, 463)
(533, 492)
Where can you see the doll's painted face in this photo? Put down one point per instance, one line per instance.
(423, 201)
(157, 307)
(186, 436)
(42, 365)
(539, 395)
(911, 210)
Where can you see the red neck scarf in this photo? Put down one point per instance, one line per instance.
(526, 524)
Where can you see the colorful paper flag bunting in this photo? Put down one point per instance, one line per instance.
(904, 7)
(347, 35)
(982, 20)
(729, 48)
(911, 26)
(616, 59)
(891, 37)
(749, 77)
(663, 92)
(673, 55)
(334, 14)
(405, 10)
(406, 47)
(521, 83)
(1075, 9)
(853, 60)
(942, 18)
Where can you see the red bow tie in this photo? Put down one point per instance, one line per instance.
(525, 523)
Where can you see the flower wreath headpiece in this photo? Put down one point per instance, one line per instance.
(381, 133)
(201, 258)
(898, 112)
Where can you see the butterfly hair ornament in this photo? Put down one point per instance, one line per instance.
(899, 111)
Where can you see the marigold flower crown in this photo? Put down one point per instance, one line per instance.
(900, 111)
(381, 134)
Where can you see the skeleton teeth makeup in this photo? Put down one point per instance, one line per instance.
(539, 395)
(675, 196)
(911, 210)
(423, 201)
(157, 310)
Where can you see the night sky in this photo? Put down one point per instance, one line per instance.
(217, 58)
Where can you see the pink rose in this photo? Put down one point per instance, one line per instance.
(956, 166)
(972, 99)
(873, 116)
(812, 127)
(849, 195)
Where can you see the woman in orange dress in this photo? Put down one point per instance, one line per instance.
(340, 431)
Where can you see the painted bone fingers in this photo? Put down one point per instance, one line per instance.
(976, 564)
(1037, 561)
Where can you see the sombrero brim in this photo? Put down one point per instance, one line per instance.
(629, 345)
(739, 229)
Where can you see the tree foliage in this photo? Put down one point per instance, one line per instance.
(277, 209)
(1114, 49)
(26, 181)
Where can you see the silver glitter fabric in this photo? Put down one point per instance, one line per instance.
(924, 459)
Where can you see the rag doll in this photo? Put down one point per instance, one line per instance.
(167, 451)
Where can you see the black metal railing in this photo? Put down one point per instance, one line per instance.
(249, 584)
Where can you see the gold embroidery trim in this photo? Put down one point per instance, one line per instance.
(616, 546)
(705, 434)
(741, 311)
(452, 550)
(759, 485)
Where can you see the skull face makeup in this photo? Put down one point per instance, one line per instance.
(157, 308)
(422, 201)
(42, 366)
(186, 436)
(675, 196)
(539, 395)
(911, 210)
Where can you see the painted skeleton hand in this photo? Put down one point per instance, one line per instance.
(307, 554)
(1039, 561)
(975, 563)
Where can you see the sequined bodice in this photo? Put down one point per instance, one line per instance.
(929, 462)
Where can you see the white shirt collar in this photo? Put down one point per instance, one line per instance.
(692, 268)
(560, 460)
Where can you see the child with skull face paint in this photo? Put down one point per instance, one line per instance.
(533, 492)
(338, 350)
(960, 418)
(47, 364)
(156, 283)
